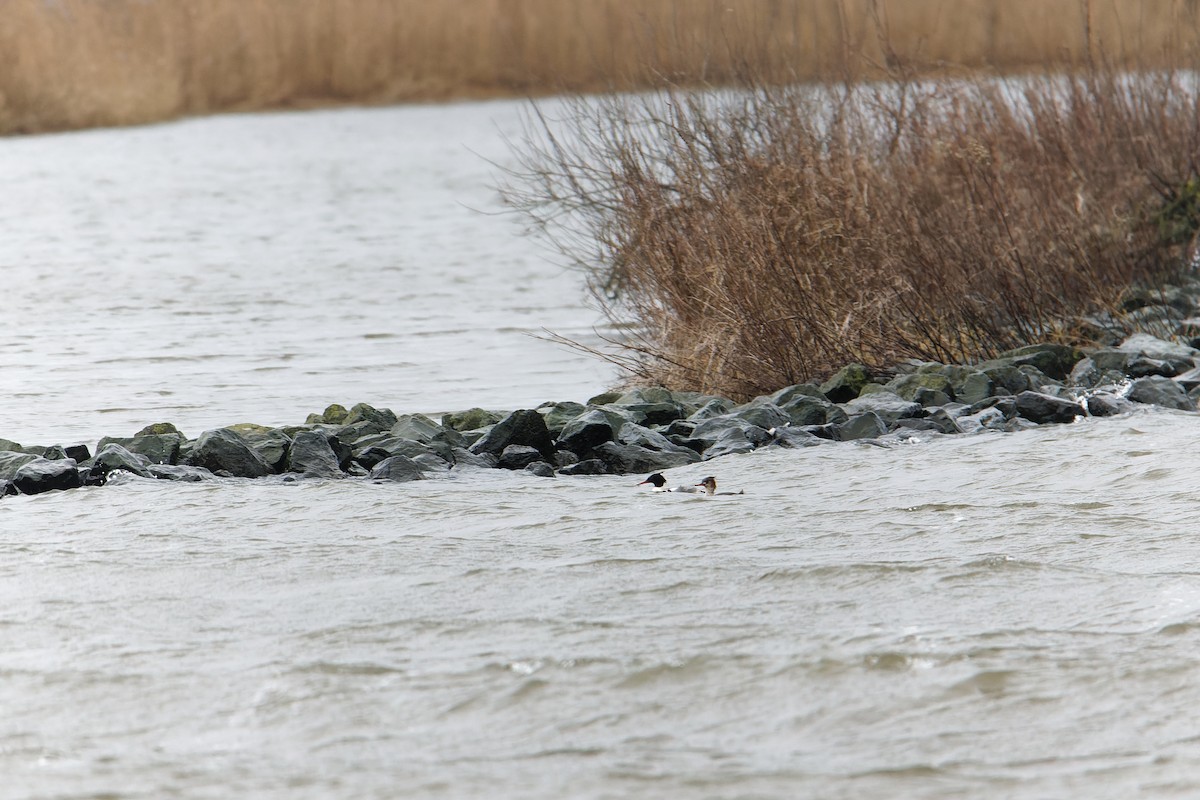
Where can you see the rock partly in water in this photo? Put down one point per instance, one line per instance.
(225, 451)
(310, 454)
(397, 468)
(45, 475)
(525, 426)
(1160, 391)
(1043, 408)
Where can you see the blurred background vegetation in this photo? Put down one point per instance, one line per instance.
(81, 63)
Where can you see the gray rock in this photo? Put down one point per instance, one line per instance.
(650, 406)
(634, 434)
(564, 458)
(625, 458)
(846, 384)
(795, 437)
(169, 472)
(79, 452)
(1005, 376)
(1043, 408)
(590, 466)
(991, 419)
(311, 455)
(764, 415)
(421, 428)
(1160, 391)
(11, 461)
(867, 425)
(586, 431)
(113, 456)
(732, 440)
(1053, 360)
(1153, 347)
(541, 469)
(226, 450)
(461, 457)
(157, 448)
(385, 448)
(709, 431)
(1103, 404)
(431, 462)
(518, 456)
(524, 426)
(397, 468)
(271, 444)
(45, 475)
(805, 409)
(717, 407)
(1189, 380)
(887, 405)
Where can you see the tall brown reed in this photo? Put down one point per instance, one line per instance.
(75, 63)
(763, 237)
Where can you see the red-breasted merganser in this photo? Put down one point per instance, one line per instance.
(710, 487)
(660, 485)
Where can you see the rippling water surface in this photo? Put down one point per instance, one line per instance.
(1003, 615)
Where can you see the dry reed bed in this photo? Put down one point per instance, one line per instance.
(761, 238)
(78, 63)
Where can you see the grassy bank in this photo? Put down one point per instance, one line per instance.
(766, 236)
(79, 63)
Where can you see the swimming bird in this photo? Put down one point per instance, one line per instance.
(710, 487)
(660, 485)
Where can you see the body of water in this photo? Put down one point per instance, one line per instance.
(994, 616)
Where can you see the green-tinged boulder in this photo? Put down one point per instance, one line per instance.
(225, 451)
(846, 383)
(604, 398)
(270, 443)
(471, 419)
(363, 420)
(158, 429)
(921, 386)
(557, 415)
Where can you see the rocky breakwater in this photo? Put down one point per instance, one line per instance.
(643, 430)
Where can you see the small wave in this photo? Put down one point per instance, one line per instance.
(339, 668)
